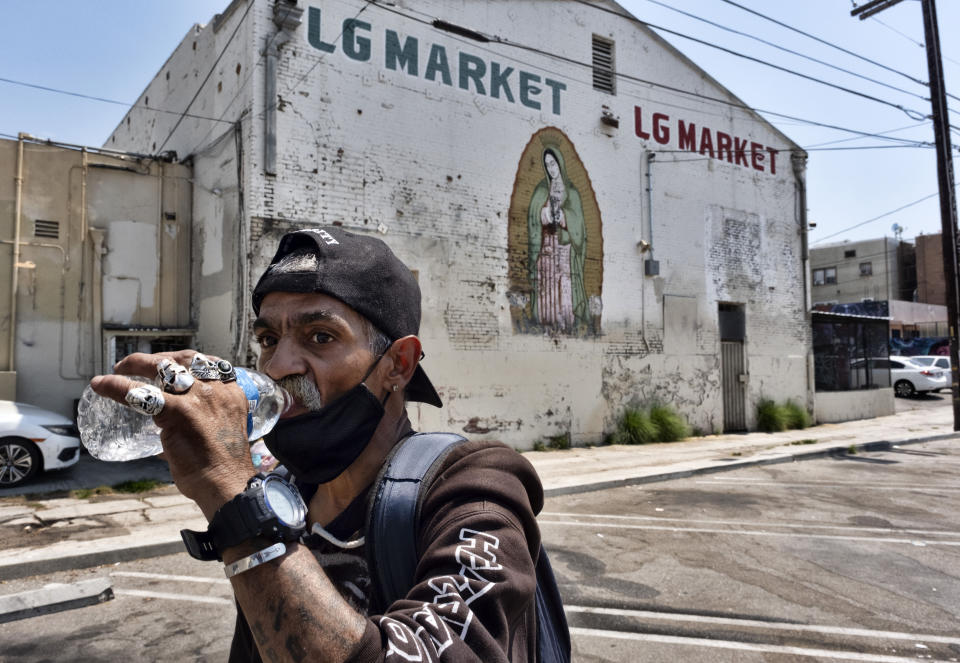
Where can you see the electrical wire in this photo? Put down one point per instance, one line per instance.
(911, 113)
(786, 50)
(209, 74)
(876, 218)
(827, 43)
(878, 135)
(46, 88)
(702, 97)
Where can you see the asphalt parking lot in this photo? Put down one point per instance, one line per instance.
(845, 558)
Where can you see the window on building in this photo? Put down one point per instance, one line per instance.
(604, 72)
(818, 277)
(830, 275)
(866, 269)
(850, 253)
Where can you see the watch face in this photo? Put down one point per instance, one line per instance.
(284, 500)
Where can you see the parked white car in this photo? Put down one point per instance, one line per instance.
(33, 440)
(907, 377)
(937, 361)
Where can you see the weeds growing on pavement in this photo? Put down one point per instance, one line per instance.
(659, 423)
(128, 487)
(797, 416)
(771, 418)
(553, 442)
(775, 417)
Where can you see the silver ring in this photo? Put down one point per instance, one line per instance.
(204, 368)
(174, 377)
(227, 374)
(146, 399)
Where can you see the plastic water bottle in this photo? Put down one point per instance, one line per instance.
(113, 431)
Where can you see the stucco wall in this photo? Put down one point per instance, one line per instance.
(836, 406)
(66, 292)
(439, 169)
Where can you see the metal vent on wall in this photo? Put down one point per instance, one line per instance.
(49, 229)
(604, 72)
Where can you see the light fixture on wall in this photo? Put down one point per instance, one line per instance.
(643, 245)
(608, 118)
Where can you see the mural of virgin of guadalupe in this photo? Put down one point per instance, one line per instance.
(557, 249)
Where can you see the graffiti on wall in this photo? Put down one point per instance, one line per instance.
(555, 241)
(923, 345)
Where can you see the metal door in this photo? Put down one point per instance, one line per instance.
(734, 376)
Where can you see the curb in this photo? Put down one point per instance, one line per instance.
(879, 445)
(174, 545)
(54, 598)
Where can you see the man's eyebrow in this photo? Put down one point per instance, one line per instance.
(300, 319)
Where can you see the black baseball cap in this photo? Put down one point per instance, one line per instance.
(363, 273)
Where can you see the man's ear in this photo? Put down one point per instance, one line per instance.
(405, 354)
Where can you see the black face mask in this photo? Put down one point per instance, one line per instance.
(319, 446)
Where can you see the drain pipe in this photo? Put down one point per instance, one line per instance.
(287, 16)
(18, 208)
(798, 160)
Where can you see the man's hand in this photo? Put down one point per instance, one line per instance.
(204, 431)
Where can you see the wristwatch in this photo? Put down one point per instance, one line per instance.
(270, 508)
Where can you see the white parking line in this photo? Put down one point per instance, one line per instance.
(849, 528)
(799, 535)
(833, 484)
(172, 597)
(756, 623)
(172, 578)
(746, 646)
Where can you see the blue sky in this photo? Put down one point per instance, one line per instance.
(112, 48)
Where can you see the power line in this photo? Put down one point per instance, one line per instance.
(620, 75)
(46, 88)
(273, 102)
(209, 74)
(882, 134)
(827, 43)
(786, 50)
(877, 218)
(914, 114)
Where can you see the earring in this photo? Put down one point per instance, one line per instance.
(396, 387)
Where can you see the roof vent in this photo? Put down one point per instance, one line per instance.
(604, 72)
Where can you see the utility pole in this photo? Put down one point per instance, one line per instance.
(948, 197)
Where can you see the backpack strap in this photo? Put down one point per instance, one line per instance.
(553, 634)
(394, 509)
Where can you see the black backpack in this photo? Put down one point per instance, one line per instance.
(392, 516)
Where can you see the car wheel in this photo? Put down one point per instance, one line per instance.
(19, 460)
(904, 389)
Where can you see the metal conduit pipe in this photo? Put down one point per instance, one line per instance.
(798, 160)
(15, 265)
(287, 17)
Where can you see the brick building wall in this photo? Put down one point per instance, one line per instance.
(386, 125)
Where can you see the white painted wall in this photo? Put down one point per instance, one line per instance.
(431, 167)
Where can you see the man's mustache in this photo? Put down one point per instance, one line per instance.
(303, 391)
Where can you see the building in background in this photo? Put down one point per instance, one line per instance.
(95, 261)
(890, 270)
(593, 220)
(864, 271)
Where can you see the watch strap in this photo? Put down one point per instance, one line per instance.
(199, 545)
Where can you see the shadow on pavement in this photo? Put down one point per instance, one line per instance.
(92, 473)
